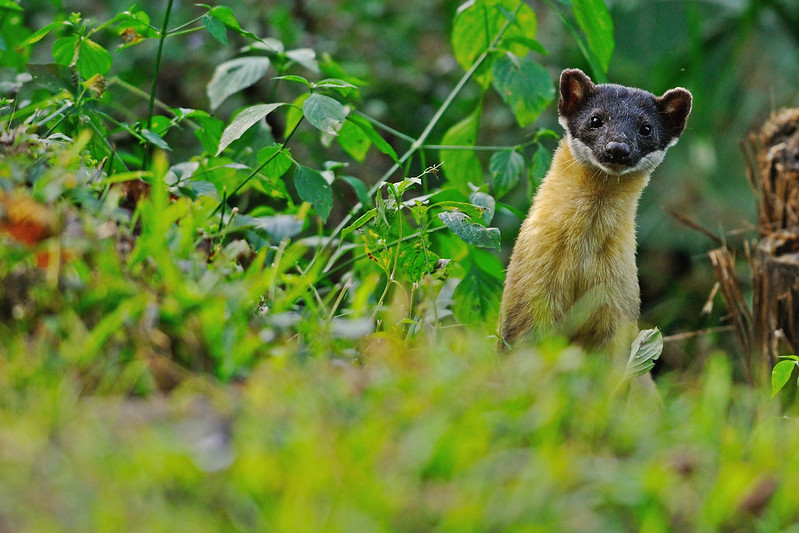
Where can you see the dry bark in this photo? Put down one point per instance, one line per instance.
(774, 172)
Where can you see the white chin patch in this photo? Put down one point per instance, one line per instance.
(586, 156)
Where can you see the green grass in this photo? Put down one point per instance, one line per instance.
(425, 436)
(187, 344)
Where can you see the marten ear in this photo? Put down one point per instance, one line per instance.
(674, 107)
(575, 87)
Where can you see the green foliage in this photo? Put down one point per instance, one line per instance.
(224, 201)
(459, 442)
(782, 372)
(215, 307)
(645, 350)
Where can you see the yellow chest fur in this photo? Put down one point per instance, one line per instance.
(573, 265)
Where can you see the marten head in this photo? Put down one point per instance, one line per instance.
(618, 129)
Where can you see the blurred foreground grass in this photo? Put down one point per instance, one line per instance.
(431, 436)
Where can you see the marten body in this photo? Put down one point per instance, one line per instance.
(573, 269)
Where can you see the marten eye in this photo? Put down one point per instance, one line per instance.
(595, 122)
(645, 130)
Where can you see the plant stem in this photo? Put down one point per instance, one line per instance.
(151, 104)
(261, 166)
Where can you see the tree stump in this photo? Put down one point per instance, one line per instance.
(775, 274)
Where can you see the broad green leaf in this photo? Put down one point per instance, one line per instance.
(478, 22)
(462, 167)
(305, 57)
(244, 121)
(155, 139)
(471, 210)
(524, 85)
(379, 142)
(64, 49)
(294, 78)
(594, 19)
(93, 59)
(471, 232)
(415, 261)
(477, 297)
(485, 201)
(353, 140)
(54, 77)
(324, 113)
(780, 375)
(216, 28)
(279, 161)
(195, 189)
(279, 227)
(294, 113)
(506, 168)
(314, 188)
(10, 5)
(209, 133)
(225, 14)
(40, 34)
(542, 159)
(361, 190)
(232, 76)
(646, 348)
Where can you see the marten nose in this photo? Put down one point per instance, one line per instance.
(618, 151)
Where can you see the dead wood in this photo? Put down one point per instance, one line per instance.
(774, 171)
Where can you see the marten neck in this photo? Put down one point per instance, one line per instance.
(582, 190)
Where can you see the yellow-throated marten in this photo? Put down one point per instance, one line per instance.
(572, 269)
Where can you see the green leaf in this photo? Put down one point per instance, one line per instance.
(305, 57)
(353, 140)
(594, 19)
(542, 159)
(279, 162)
(361, 190)
(195, 189)
(780, 375)
(477, 297)
(506, 168)
(244, 121)
(40, 34)
(10, 5)
(153, 138)
(294, 78)
(524, 85)
(415, 261)
(210, 131)
(313, 188)
(325, 113)
(485, 201)
(278, 227)
(64, 49)
(225, 14)
(232, 76)
(478, 22)
(294, 113)
(52, 76)
(359, 223)
(471, 210)
(216, 28)
(379, 142)
(471, 232)
(93, 59)
(646, 348)
(462, 167)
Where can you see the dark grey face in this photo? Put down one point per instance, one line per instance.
(620, 125)
(620, 129)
